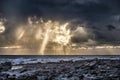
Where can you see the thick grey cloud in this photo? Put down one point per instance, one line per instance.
(96, 14)
(77, 9)
(87, 10)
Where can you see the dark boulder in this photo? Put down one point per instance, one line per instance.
(5, 66)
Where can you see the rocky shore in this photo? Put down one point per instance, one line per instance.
(93, 69)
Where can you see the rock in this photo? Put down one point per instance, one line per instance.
(24, 70)
(77, 67)
(95, 69)
(12, 77)
(3, 76)
(27, 77)
(5, 66)
(41, 77)
(81, 77)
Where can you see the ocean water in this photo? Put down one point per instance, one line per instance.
(25, 59)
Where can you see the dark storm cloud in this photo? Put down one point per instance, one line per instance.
(85, 10)
(67, 9)
(97, 13)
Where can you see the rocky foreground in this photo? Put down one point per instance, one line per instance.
(94, 69)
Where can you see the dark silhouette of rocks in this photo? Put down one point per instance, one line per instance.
(94, 69)
(5, 66)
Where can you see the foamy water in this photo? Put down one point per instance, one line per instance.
(45, 59)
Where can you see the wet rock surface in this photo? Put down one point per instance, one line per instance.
(94, 69)
(5, 66)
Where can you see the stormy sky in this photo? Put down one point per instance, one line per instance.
(102, 17)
